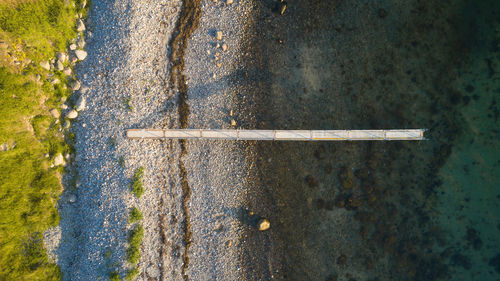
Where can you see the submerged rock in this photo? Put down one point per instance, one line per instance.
(264, 224)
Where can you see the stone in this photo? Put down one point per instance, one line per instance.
(81, 54)
(58, 160)
(75, 86)
(55, 113)
(229, 2)
(38, 77)
(80, 103)
(67, 124)
(84, 4)
(80, 26)
(233, 122)
(67, 156)
(264, 224)
(64, 106)
(4, 147)
(224, 47)
(72, 114)
(382, 13)
(45, 65)
(67, 71)
(218, 35)
(72, 47)
(55, 81)
(80, 43)
(59, 66)
(71, 198)
(84, 90)
(61, 56)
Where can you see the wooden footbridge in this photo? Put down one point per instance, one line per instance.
(278, 135)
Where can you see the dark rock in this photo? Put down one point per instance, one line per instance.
(382, 13)
(311, 181)
(342, 260)
(495, 262)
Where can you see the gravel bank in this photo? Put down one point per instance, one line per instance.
(125, 73)
(125, 81)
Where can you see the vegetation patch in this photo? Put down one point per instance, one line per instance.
(31, 32)
(135, 215)
(137, 186)
(114, 276)
(135, 241)
(132, 273)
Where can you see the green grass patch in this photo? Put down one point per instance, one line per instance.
(137, 186)
(132, 273)
(29, 187)
(135, 215)
(114, 276)
(135, 241)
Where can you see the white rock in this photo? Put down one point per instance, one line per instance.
(80, 103)
(55, 81)
(81, 43)
(67, 156)
(55, 113)
(59, 65)
(84, 90)
(81, 54)
(84, 3)
(64, 106)
(45, 65)
(61, 56)
(58, 160)
(72, 114)
(80, 26)
(75, 86)
(67, 71)
(71, 198)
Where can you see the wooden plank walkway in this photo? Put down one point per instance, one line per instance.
(278, 135)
